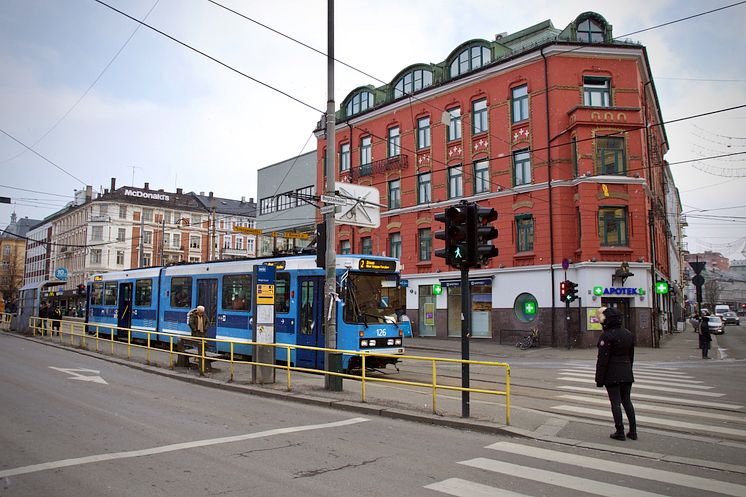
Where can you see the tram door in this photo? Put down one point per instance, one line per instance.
(124, 316)
(310, 316)
(207, 296)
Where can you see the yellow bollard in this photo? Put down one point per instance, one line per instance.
(287, 363)
(231, 367)
(362, 385)
(507, 395)
(170, 352)
(148, 352)
(435, 388)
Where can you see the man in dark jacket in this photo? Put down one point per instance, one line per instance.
(616, 351)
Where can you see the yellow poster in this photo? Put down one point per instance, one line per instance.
(593, 322)
(265, 294)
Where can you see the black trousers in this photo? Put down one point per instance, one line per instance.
(619, 395)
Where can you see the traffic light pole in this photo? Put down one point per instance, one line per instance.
(465, 335)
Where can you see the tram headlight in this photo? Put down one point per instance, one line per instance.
(390, 341)
(372, 343)
(363, 343)
(397, 341)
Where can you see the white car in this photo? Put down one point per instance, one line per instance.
(715, 325)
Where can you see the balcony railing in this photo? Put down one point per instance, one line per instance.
(395, 163)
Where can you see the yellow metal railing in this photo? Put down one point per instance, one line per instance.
(177, 342)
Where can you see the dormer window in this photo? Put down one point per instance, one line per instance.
(413, 81)
(470, 59)
(360, 102)
(590, 31)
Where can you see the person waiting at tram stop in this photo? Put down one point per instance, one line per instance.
(198, 326)
(56, 315)
(704, 335)
(616, 351)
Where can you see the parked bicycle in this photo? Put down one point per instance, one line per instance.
(529, 341)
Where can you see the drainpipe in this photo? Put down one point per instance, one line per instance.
(549, 190)
(651, 222)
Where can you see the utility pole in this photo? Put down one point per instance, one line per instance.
(142, 234)
(332, 361)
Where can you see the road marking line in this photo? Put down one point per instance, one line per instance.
(650, 387)
(668, 423)
(558, 479)
(639, 367)
(172, 447)
(677, 400)
(677, 379)
(646, 473)
(650, 407)
(465, 488)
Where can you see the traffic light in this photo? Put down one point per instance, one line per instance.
(563, 290)
(321, 244)
(81, 289)
(572, 291)
(480, 248)
(455, 234)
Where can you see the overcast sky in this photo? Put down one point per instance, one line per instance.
(163, 114)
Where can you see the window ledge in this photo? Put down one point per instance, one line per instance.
(604, 249)
(524, 255)
(424, 264)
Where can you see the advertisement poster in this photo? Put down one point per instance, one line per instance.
(593, 322)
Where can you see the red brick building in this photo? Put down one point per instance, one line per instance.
(575, 173)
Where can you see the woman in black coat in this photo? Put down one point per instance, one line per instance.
(616, 351)
(704, 335)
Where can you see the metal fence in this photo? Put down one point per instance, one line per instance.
(178, 346)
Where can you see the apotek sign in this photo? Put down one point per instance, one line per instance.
(623, 291)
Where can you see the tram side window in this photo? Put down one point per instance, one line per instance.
(282, 293)
(97, 293)
(181, 291)
(236, 292)
(144, 293)
(110, 293)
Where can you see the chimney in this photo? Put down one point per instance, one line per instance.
(88, 193)
(113, 184)
(106, 191)
(201, 194)
(243, 199)
(251, 200)
(210, 194)
(147, 185)
(179, 191)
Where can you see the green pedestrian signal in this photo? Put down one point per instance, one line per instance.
(437, 289)
(661, 288)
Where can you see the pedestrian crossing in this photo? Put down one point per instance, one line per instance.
(606, 477)
(663, 398)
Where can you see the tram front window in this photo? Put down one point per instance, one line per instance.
(371, 298)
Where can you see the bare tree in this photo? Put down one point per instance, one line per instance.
(11, 274)
(712, 290)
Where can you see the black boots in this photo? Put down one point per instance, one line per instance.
(618, 434)
(632, 435)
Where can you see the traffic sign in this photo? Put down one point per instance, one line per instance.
(327, 209)
(698, 280)
(697, 266)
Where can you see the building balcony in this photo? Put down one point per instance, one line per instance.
(396, 163)
(617, 116)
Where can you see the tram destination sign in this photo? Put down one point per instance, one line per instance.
(376, 265)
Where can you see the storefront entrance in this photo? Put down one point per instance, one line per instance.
(621, 305)
(481, 307)
(426, 321)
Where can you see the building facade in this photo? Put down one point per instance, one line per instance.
(559, 130)
(287, 209)
(13, 259)
(130, 227)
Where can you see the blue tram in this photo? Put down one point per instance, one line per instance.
(159, 299)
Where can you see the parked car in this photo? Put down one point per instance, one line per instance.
(715, 325)
(731, 317)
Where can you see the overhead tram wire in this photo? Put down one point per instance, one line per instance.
(85, 93)
(41, 156)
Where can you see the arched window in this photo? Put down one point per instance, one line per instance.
(413, 81)
(470, 59)
(590, 31)
(360, 102)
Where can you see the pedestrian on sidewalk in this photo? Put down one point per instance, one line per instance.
(704, 335)
(616, 352)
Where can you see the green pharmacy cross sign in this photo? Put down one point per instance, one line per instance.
(437, 289)
(661, 288)
(529, 308)
(598, 290)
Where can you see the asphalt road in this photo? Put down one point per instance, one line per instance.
(76, 425)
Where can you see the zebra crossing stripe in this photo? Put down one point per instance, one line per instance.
(651, 381)
(646, 473)
(466, 488)
(650, 407)
(557, 479)
(638, 374)
(677, 400)
(645, 369)
(650, 387)
(666, 423)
